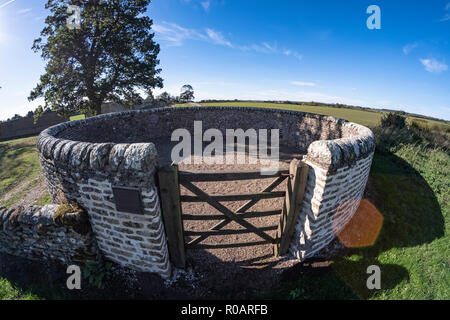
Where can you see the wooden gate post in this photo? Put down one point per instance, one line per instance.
(169, 190)
(295, 190)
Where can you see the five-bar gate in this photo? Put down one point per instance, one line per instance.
(170, 179)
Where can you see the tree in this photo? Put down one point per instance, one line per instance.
(393, 119)
(108, 58)
(166, 97)
(149, 97)
(187, 93)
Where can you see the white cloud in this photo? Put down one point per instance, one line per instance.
(434, 66)
(447, 14)
(175, 34)
(261, 48)
(304, 84)
(206, 5)
(24, 11)
(6, 3)
(267, 48)
(410, 47)
(218, 38)
(293, 53)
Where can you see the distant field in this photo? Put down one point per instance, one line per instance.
(366, 118)
(78, 117)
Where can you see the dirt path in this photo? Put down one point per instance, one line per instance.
(30, 192)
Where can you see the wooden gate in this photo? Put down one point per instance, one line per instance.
(170, 180)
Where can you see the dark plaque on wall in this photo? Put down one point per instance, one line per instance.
(127, 200)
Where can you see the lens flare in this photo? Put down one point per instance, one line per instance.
(363, 228)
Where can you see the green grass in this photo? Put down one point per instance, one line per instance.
(9, 292)
(413, 248)
(77, 117)
(45, 199)
(18, 162)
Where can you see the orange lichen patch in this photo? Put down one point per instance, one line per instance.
(363, 228)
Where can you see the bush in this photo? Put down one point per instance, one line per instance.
(389, 139)
(393, 119)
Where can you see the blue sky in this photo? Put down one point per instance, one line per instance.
(271, 50)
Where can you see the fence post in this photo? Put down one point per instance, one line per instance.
(295, 190)
(169, 190)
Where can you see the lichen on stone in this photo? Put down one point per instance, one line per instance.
(70, 214)
(15, 216)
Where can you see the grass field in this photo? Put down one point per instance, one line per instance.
(77, 117)
(413, 249)
(19, 167)
(412, 187)
(364, 117)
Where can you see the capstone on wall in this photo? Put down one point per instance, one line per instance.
(82, 160)
(86, 173)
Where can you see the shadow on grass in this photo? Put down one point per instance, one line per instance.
(411, 216)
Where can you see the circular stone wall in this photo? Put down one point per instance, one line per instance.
(82, 160)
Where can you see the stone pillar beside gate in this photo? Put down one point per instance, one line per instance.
(337, 178)
(115, 184)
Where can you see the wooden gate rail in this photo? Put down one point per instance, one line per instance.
(253, 214)
(226, 232)
(227, 212)
(191, 176)
(226, 245)
(241, 211)
(169, 179)
(235, 197)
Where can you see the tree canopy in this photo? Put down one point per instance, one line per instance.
(187, 93)
(111, 56)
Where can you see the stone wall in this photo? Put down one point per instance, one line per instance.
(331, 198)
(82, 160)
(35, 233)
(25, 126)
(86, 173)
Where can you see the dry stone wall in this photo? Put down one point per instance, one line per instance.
(87, 172)
(36, 234)
(24, 127)
(83, 160)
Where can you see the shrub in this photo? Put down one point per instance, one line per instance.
(388, 139)
(393, 119)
